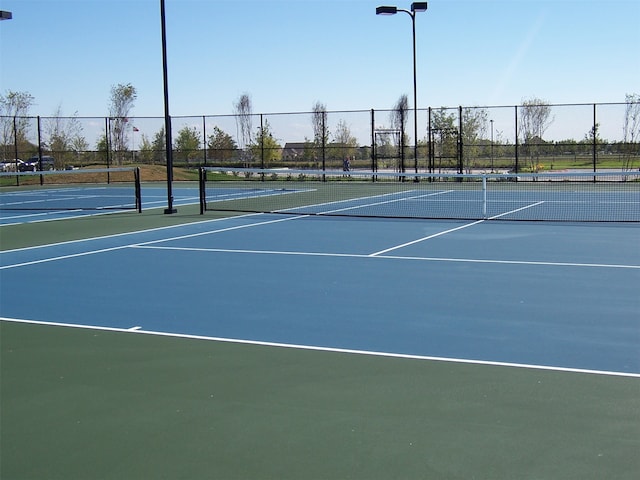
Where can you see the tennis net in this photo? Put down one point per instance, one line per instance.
(581, 197)
(83, 189)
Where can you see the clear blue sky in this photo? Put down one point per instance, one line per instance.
(287, 54)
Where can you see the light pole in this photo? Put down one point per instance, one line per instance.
(167, 118)
(415, 7)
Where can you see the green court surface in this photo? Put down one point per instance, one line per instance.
(81, 404)
(44, 233)
(96, 403)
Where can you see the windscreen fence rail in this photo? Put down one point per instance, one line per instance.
(579, 197)
(83, 189)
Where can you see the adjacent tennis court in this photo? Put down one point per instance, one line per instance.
(309, 345)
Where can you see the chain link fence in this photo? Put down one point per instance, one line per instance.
(524, 138)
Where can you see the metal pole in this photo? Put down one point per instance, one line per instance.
(517, 152)
(430, 152)
(40, 150)
(204, 139)
(415, 7)
(595, 140)
(491, 145)
(262, 144)
(15, 145)
(324, 136)
(373, 141)
(460, 142)
(167, 117)
(402, 169)
(415, 95)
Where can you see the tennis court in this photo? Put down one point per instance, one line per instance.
(302, 345)
(63, 194)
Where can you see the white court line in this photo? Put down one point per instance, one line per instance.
(386, 257)
(390, 249)
(220, 230)
(87, 213)
(140, 331)
(124, 234)
(63, 257)
(121, 247)
(354, 207)
(429, 237)
(516, 210)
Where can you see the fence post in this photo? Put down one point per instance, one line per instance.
(107, 137)
(517, 135)
(204, 139)
(373, 142)
(15, 146)
(595, 140)
(323, 144)
(430, 150)
(460, 142)
(40, 151)
(261, 144)
(402, 167)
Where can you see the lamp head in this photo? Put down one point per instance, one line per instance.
(419, 7)
(386, 10)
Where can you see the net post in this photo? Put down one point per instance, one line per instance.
(484, 197)
(201, 189)
(136, 174)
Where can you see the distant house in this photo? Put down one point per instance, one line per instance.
(535, 140)
(293, 151)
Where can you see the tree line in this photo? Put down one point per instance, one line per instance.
(449, 134)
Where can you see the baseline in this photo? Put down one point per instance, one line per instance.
(137, 330)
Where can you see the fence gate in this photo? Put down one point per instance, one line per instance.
(445, 152)
(388, 153)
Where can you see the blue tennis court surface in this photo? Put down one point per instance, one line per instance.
(55, 203)
(550, 295)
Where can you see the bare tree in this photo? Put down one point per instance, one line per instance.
(345, 143)
(631, 130)
(535, 119)
(320, 129)
(14, 124)
(399, 116)
(243, 111)
(64, 137)
(121, 102)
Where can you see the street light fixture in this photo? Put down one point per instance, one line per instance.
(4, 15)
(391, 10)
(386, 10)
